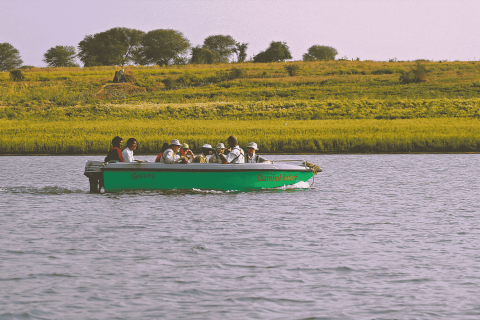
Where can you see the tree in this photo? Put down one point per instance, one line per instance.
(277, 51)
(320, 53)
(241, 51)
(9, 57)
(114, 47)
(60, 56)
(163, 47)
(222, 46)
(202, 55)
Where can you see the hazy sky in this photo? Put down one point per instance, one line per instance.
(367, 29)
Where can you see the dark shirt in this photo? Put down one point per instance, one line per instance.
(114, 154)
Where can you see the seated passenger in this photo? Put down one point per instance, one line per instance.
(115, 153)
(236, 154)
(207, 151)
(215, 158)
(170, 155)
(187, 153)
(128, 151)
(164, 147)
(252, 157)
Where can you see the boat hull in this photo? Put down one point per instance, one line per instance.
(154, 176)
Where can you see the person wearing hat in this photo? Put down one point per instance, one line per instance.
(170, 155)
(252, 157)
(207, 151)
(236, 154)
(186, 152)
(215, 158)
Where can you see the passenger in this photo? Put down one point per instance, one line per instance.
(115, 153)
(252, 157)
(236, 154)
(215, 158)
(207, 151)
(187, 153)
(128, 151)
(164, 147)
(170, 155)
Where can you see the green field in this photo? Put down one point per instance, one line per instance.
(333, 107)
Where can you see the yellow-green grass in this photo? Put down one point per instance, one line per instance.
(347, 80)
(273, 136)
(286, 110)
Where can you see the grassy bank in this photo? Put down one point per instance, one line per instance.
(273, 136)
(245, 82)
(332, 107)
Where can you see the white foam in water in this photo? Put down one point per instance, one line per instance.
(211, 191)
(298, 185)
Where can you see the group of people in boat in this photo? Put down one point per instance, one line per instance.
(177, 152)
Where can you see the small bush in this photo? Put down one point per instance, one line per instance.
(169, 83)
(16, 75)
(292, 69)
(236, 73)
(416, 75)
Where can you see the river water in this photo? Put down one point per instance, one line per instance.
(376, 237)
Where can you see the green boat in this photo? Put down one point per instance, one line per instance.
(121, 176)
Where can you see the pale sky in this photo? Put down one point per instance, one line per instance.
(367, 29)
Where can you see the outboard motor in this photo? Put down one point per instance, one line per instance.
(94, 173)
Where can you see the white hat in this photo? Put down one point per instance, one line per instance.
(252, 145)
(206, 146)
(175, 142)
(220, 146)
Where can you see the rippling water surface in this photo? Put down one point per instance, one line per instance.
(376, 237)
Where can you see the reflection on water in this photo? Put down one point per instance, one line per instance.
(376, 237)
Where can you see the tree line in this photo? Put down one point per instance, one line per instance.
(163, 47)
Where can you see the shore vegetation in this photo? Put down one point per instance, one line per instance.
(323, 106)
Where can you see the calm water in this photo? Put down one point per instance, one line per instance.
(376, 237)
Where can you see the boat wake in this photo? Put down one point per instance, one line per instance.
(298, 185)
(54, 190)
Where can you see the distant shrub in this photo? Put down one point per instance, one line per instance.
(416, 74)
(236, 73)
(27, 67)
(169, 83)
(292, 69)
(16, 75)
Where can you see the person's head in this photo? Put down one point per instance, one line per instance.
(252, 147)
(220, 148)
(117, 142)
(164, 147)
(207, 149)
(132, 143)
(232, 141)
(175, 145)
(185, 146)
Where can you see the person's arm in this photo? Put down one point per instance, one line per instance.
(262, 159)
(169, 158)
(224, 158)
(232, 156)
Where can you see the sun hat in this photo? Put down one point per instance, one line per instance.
(252, 145)
(175, 142)
(184, 146)
(220, 146)
(206, 146)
